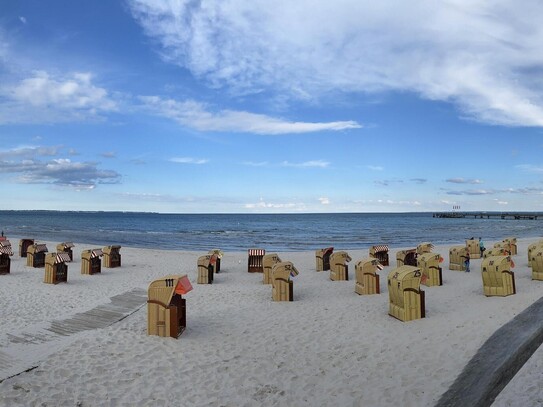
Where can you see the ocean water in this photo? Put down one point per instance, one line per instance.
(238, 232)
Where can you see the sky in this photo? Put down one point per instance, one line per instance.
(235, 106)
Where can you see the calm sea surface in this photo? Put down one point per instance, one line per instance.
(289, 232)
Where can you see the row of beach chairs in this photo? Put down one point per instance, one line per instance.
(55, 264)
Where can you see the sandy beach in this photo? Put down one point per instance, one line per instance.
(328, 347)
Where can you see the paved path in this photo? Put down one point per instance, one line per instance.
(24, 351)
(497, 361)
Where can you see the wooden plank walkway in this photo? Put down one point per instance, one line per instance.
(14, 355)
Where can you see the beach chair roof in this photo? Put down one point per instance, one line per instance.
(5, 248)
(163, 289)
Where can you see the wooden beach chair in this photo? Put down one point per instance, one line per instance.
(532, 248)
(23, 246)
(268, 261)
(537, 264)
(322, 257)
(56, 269)
(457, 256)
(206, 266)
(91, 262)
(282, 286)
(35, 255)
(67, 248)
(112, 256)
(339, 269)
(406, 257)
(166, 308)
(380, 252)
(406, 299)
(432, 274)
(218, 256)
(5, 252)
(512, 241)
(473, 248)
(498, 279)
(367, 279)
(254, 260)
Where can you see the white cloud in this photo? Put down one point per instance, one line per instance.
(483, 56)
(324, 201)
(43, 98)
(198, 116)
(262, 204)
(307, 164)
(375, 167)
(60, 171)
(463, 181)
(256, 164)
(530, 168)
(189, 160)
(22, 19)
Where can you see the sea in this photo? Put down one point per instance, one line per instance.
(239, 232)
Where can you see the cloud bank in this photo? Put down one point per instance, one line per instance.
(485, 57)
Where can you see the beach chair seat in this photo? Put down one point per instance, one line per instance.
(367, 279)
(23, 246)
(406, 257)
(339, 269)
(512, 242)
(498, 279)
(406, 299)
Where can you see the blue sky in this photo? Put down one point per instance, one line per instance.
(237, 106)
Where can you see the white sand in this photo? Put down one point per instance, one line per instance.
(328, 347)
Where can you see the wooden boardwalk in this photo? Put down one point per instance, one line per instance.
(14, 355)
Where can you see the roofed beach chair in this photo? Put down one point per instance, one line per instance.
(406, 299)
(498, 279)
(91, 262)
(322, 257)
(429, 266)
(367, 279)
(5, 252)
(282, 286)
(166, 308)
(254, 260)
(268, 261)
(380, 252)
(56, 269)
(339, 269)
(457, 256)
(406, 257)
